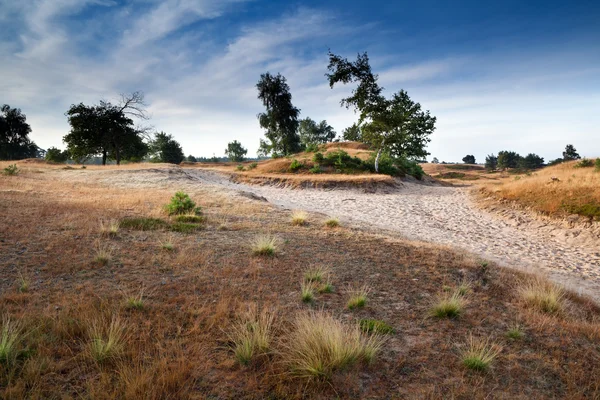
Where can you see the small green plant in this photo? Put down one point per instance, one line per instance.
(265, 245)
(189, 218)
(479, 354)
(295, 165)
(584, 163)
(316, 169)
(299, 218)
(332, 222)
(543, 296)
(240, 167)
(326, 288)
(358, 298)
(11, 170)
(181, 203)
(448, 305)
(11, 337)
(375, 326)
(185, 227)
(317, 274)
(318, 158)
(110, 228)
(464, 287)
(252, 166)
(312, 147)
(103, 254)
(515, 332)
(135, 302)
(143, 223)
(251, 335)
(307, 290)
(23, 284)
(167, 244)
(106, 342)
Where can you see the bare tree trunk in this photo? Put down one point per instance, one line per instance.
(104, 157)
(118, 155)
(379, 155)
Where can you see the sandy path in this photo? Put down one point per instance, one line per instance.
(445, 215)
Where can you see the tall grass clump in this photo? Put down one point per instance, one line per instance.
(358, 298)
(316, 274)
(135, 302)
(251, 335)
(332, 222)
(449, 305)
(307, 291)
(319, 345)
(11, 337)
(106, 340)
(103, 254)
(542, 295)
(265, 245)
(109, 228)
(479, 354)
(299, 218)
(11, 170)
(181, 203)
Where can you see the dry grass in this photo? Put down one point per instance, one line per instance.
(11, 336)
(479, 354)
(307, 291)
(542, 295)
(358, 298)
(320, 345)
(573, 191)
(299, 218)
(106, 340)
(103, 253)
(109, 228)
(449, 305)
(332, 222)
(251, 336)
(265, 245)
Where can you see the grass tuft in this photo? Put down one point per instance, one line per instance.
(448, 305)
(543, 296)
(135, 302)
(11, 337)
(317, 274)
(110, 228)
(252, 335)
(265, 245)
(326, 288)
(332, 223)
(515, 332)
(167, 244)
(23, 284)
(320, 345)
(307, 290)
(189, 218)
(479, 354)
(106, 341)
(299, 218)
(103, 254)
(358, 298)
(375, 326)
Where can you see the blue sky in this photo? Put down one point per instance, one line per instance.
(506, 75)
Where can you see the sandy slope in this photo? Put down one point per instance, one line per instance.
(445, 215)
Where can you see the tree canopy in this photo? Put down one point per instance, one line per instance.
(570, 153)
(280, 119)
(313, 133)
(235, 151)
(352, 133)
(469, 159)
(396, 125)
(491, 162)
(165, 149)
(56, 155)
(14, 135)
(508, 159)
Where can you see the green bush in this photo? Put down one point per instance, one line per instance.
(375, 326)
(252, 166)
(312, 147)
(585, 163)
(11, 170)
(182, 204)
(316, 169)
(318, 158)
(343, 161)
(295, 165)
(240, 167)
(597, 164)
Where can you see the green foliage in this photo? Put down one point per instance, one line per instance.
(590, 210)
(235, 151)
(191, 158)
(531, 161)
(252, 166)
(469, 159)
(375, 326)
(143, 223)
(318, 158)
(185, 227)
(196, 219)
(584, 163)
(491, 162)
(165, 149)
(508, 159)
(182, 204)
(14, 135)
(316, 169)
(11, 170)
(597, 164)
(56, 155)
(410, 167)
(280, 120)
(239, 167)
(343, 161)
(556, 162)
(570, 153)
(295, 165)
(313, 134)
(352, 133)
(311, 148)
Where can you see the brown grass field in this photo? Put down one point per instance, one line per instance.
(197, 315)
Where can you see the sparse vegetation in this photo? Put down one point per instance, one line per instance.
(251, 335)
(515, 332)
(185, 227)
(299, 218)
(265, 245)
(479, 354)
(316, 274)
(106, 340)
(11, 337)
(375, 326)
(189, 218)
(332, 222)
(135, 302)
(103, 254)
(448, 305)
(542, 295)
(23, 284)
(584, 163)
(109, 228)
(167, 244)
(358, 298)
(11, 170)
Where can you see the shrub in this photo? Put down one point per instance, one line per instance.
(265, 245)
(11, 170)
(448, 305)
(251, 335)
(584, 163)
(358, 298)
(11, 337)
(182, 204)
(316, 169)
(375, 326)
(318, 158)
(320, 345)
(312, 147)
(252, 166)
(240, 167)
(342, 161)
(295, 165)
(299, 217)
(106, 342)
(143, 223)
(479, 354)
(332, 222)
(597, 163)
(542, 295)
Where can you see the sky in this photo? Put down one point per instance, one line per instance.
(502, 75)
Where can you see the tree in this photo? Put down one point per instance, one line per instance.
(396, 125)
(280, 119)
(14, 135)
(352, 133)
(56, 155)
(165, 149)
(235, 151)
(469, 159)
(191, 158)
(508, 159)
(570, 153)
(107, 130)
(312, 133)
(531, 161)
(491, 162)
(435, 160)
